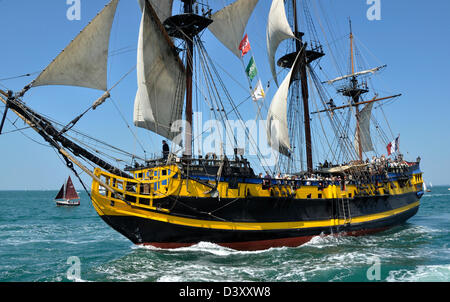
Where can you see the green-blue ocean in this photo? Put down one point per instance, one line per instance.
(38, 239)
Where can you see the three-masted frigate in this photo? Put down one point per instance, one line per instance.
(180, 200)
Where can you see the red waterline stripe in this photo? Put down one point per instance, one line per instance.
(263, 244)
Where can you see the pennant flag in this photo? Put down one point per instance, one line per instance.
(244, 47)
(251, 69)
(393, 146)
(258, 93)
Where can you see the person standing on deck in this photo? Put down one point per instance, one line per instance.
(165, 150)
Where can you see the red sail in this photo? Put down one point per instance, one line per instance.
(60, 193)
(71, 193)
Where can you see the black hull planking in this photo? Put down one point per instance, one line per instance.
(362, 220)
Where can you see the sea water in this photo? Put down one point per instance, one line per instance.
(39, 242)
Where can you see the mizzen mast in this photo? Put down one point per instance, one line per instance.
(354, 90)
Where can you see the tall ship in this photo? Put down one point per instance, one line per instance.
(325, 173)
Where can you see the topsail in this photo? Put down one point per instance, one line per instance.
(84, 63)
(161, 78)
(230, 23)
(278, 30)
(163, 8)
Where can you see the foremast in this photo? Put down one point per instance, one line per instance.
(186, 27)
(188, 9)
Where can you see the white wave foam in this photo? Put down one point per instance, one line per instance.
(29, 241)
(436, 195)
(169, 278)
(207, 247)
(326, 241)
(422, 273)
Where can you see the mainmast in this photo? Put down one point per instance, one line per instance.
(305, 57)
(304, 84)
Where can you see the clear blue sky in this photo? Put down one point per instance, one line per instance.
(412, 38)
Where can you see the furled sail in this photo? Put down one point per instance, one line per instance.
(278, 30)
(369, 71)
(277, 126)
(161, 78)
(364, 125)
(230, 23)
(163, 8)
(84, 63)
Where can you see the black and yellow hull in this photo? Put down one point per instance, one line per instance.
(254, 219)
(249, 236)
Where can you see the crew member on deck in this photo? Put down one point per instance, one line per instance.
(266, 182)
(166, 149)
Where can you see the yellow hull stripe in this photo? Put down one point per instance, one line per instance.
(123, 210)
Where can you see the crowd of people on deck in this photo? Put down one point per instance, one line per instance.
(379, 165)
(302, 180)
(370, 168)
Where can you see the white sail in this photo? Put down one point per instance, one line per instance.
(161, 78)
(277, 128)
(230, 23)
(84, 63)
(364, 125)
(278, 30)
(163, 8)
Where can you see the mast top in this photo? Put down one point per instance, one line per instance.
(351, 46)
(354, 89)
(312, 54)
(188, 24)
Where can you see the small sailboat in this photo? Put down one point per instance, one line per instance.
(67, 195)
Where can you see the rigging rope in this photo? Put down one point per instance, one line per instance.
(128, 126)
(20, 76)
(219, 103)
(21, 132)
